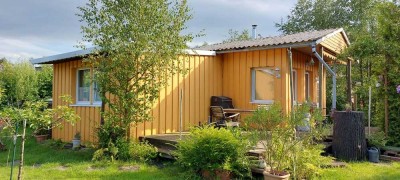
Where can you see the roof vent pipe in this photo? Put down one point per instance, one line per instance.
(254, 31)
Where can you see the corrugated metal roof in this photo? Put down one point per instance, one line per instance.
(297, 38)
(82, 53)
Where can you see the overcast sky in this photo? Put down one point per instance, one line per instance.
(38, 28)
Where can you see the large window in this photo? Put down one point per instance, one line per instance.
(87, 90)
(262, 85)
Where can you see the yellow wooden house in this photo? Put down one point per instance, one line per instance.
(250, 72)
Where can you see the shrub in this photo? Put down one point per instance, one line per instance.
(308, 161)
(212, 149)
(286, 149)
(377, 139)
(126, 151)
(142, 151)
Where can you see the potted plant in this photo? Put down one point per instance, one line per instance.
(273, 131)
(41, 119)
(76, 142)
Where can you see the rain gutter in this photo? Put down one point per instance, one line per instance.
(314, 51)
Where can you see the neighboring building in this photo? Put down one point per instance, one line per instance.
(250, 72)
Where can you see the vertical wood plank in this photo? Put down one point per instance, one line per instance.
(202, 105)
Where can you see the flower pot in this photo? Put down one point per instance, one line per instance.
(76, 143)
(40, 138)
(268, 176)
(223, 174)
(217, 174)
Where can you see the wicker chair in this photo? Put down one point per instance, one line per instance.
(222, 119)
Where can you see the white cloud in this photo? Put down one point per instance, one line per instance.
(15, 49)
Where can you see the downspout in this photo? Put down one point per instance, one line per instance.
(291, 78)
(314, 51)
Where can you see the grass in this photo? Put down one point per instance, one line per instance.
(44, 161)
(364, 170)
(47, 161)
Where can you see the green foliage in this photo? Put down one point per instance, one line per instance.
(373, 29)
(211, 149)
(235, 35)
(107, 133)
(106, 154)
(126, 151)
(325, 14)
(45, 81)
(308, 161)
(142, 151)
(77, 135)
(138, 47)
(286, 149)
(377, 139)
(19, 81)
(39, 118)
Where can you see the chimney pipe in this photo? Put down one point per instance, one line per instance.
(254, 31)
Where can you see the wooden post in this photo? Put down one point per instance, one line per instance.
(349, 136)
(349, 82)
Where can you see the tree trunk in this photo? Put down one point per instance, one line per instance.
(21, 164)
(349, 136)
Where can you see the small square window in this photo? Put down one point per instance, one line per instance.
(86, 89)
(263, 85)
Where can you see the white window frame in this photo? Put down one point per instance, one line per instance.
(91, 101)
(77, 88)
(253, 85)
(307, 86)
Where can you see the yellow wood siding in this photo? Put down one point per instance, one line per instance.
(64, 84)
(203, 80)
(237, 75)
(336, 43)
(225, 74)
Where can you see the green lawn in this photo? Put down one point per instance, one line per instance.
(364, 170)
(45, 162)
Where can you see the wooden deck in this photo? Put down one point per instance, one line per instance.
(165, 143)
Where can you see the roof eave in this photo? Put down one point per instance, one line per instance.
(63, 56)
(86, 52)
(292, 45)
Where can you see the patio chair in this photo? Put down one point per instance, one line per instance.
(222, 119)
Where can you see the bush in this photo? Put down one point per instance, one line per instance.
(377, 139)
(213, 149)
(286, 149)
(308, 161)
(137, 151)
(126, 151)
(142, 151)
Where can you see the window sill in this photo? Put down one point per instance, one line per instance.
(262, 102)
(85, 105)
